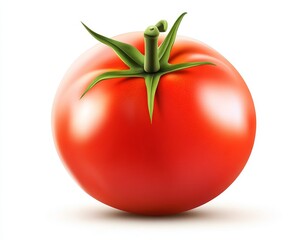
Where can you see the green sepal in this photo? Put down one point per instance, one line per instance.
(130, 55)
(180, 66)
(110, 75)
(151, 82)
(167, 44)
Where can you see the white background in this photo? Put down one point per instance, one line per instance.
(39, 41)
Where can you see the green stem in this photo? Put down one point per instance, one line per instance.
(152, 66)
(162, 25)
(151, 60)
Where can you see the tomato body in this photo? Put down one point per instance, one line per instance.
(200, 138)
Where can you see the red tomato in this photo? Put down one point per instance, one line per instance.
(200, 138)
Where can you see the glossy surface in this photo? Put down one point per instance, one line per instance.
(200, 139)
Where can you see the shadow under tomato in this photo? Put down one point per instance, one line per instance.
(230, 214)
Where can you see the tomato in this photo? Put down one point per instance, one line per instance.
(193, 146)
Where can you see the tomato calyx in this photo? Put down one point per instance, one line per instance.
(151, 66)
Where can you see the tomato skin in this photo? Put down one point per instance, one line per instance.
(200, 138)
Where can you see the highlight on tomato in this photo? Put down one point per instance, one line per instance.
(153, 124)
